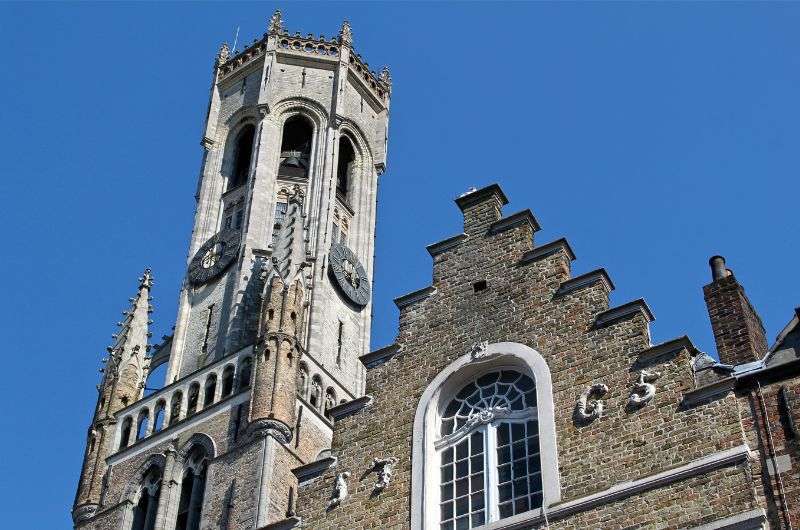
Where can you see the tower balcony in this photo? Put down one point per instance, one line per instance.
(184, 403)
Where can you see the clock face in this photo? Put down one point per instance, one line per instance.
(349, 274)
(214, 256)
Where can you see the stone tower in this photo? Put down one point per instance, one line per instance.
(275, 309)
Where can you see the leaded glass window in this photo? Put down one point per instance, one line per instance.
(488, 450)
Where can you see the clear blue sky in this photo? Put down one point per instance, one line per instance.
(651, 135)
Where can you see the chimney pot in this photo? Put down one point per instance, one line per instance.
(718, 269)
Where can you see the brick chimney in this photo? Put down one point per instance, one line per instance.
(737, 327)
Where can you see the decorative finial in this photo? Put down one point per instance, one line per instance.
(275, 23)
(386, 76)
(223, 54)
(296, 194)
(346, 34)
(146, 280)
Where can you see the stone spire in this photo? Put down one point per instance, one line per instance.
(281, 330)
(124, 374)
(275, 26)
(346, 34)
(386, 76)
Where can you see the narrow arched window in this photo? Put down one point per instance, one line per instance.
(125, 433)
(141, 424)
(488, 447)
(227, 381)
(158, 417)
(316, 392)
(330, 401)
(175, 408)
(144, 513)
(302, 381)
(194, 397)
(193, 485)
(344, 167)
(295, 148)
(243, 154)
(245, 369)
(210, 390)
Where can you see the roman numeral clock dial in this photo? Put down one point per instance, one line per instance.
(349, 275)
(214, 256)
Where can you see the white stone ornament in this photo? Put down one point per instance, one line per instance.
(339, 489)
(478, 350)
(385, 467)
(587, 411)
(644, 390)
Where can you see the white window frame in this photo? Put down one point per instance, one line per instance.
(425, 480)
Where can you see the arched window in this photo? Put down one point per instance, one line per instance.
(316, 392)
(488, 446)
(144, 513)
(210, 390)
(344, 168)
(245, 369)
(302, 381)
(227, 381)
(125, 433)
(193, 485)
(243, 153)
(295, 148)
(330, 400)
(175, 408)
(194, 397)
(158, 417)
(141, 424)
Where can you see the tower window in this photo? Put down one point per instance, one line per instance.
(479, 286)
(141, 425)
(302, 381)
(280, 215)
(193, 486)
(295, 148)
(158, 417)
(316, 392)
(194, 396)
(125, 435)
(144, 514)
(245, 370)
(243, 153)
(175, 408)
(227, 381)
(330, 401)
(210, 390)
(344, 167)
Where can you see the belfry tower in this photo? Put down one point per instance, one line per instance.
(274, 312)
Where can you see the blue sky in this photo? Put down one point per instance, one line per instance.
(651, 135)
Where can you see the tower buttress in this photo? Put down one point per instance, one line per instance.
(124, 375)
(281, 328)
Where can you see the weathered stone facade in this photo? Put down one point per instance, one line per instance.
(275, 416)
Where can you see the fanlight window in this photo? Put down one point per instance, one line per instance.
(489, 451)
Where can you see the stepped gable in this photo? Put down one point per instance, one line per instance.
(491, 284)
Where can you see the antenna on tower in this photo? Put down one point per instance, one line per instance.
(235, 39)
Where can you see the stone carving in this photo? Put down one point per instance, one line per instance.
(482, 417)
(275, 23)
(587, 411)
(223, 54)
(385, 468)
(386, 76)
(478, 350)
(339, 489)
(644, 390)
(346, 34)
(262, 427)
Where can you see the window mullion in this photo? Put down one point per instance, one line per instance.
(492, 513)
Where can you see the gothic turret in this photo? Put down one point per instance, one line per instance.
(272, 402)
(124, 374)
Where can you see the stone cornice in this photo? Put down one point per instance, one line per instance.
(585, 280)
(667, 348)
(434, 249)
(625, 311)
(351, 407)
(380, 356)
(313, 469)
(514, 220)
(624, 490)
(413, 297)
(548, 249)
(284, 524)
(707, 392)
(484, 194)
